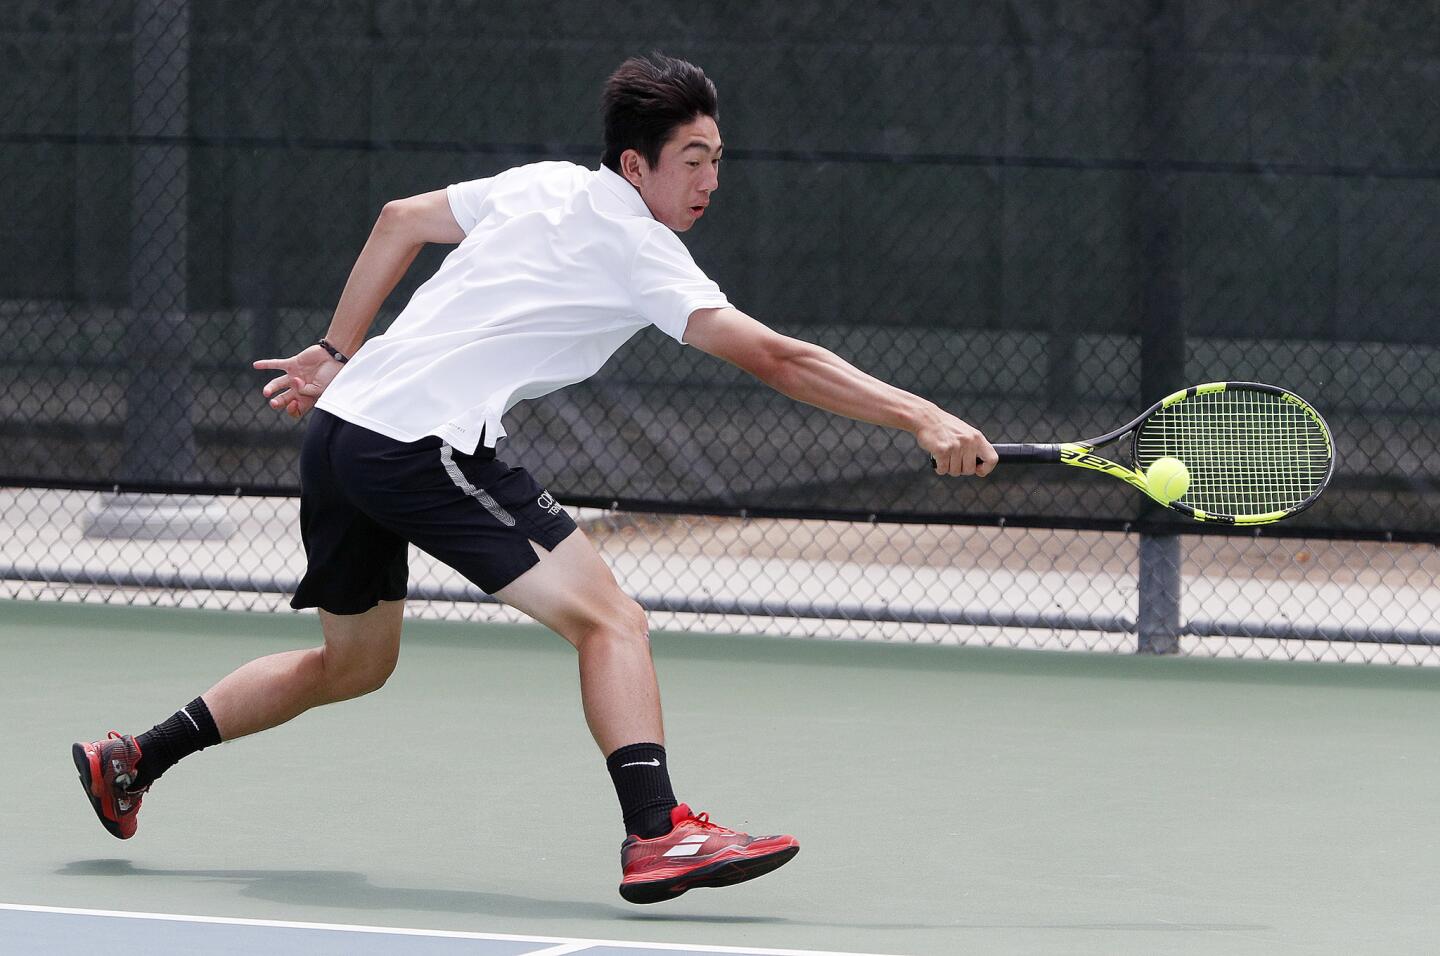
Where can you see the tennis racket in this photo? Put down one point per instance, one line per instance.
(1255, 453)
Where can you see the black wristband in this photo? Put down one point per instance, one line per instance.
(335, 353)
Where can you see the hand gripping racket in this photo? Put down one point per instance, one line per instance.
(1255, 453)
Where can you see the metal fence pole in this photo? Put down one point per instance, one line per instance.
(1162, 322)
(159, 439)
(1159, 614)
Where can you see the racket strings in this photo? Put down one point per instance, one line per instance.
(1248, 452)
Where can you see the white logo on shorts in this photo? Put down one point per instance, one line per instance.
(547, 502)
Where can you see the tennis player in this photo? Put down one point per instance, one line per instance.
(555, 266)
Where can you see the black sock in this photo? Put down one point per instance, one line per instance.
(189, 729)
(642, 782)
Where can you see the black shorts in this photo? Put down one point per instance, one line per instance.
(363, 496)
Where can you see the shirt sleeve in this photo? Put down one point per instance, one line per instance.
(467, 201)
(667, 285)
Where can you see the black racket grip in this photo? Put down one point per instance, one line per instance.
(1028, 454)
(1024, 454)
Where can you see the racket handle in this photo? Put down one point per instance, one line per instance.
(1028, 454)
(1024, 454)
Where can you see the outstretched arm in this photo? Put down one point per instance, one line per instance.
(404, 226)
(816, 376)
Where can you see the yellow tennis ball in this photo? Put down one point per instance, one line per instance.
(1168, 479)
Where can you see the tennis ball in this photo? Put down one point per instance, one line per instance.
(1168, 479)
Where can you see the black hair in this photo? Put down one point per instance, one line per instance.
(646, 98)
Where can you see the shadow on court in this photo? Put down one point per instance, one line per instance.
(350, 890)
(343, 889)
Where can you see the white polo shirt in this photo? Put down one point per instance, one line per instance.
(560, 265)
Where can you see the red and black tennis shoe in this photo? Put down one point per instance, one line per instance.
(107, 768)
(695, 853)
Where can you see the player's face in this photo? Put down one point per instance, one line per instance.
(677, 189)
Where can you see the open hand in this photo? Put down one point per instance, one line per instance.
(304, 377)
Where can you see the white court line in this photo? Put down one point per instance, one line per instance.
(563, 944)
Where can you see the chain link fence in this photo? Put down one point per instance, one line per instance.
(1043, 218)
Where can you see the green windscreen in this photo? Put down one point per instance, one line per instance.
(1116, 200)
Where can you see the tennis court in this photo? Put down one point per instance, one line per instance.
(947, 799)
(959, 227)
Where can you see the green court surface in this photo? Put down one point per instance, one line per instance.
(947, 800)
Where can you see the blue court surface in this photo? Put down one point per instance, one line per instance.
(60, 932)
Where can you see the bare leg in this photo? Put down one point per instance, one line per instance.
(573, 593)
(359, 653)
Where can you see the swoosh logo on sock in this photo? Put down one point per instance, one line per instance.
(642, 763)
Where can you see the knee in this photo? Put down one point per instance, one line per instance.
(373, 676)
(623, 624)
(346, 677)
